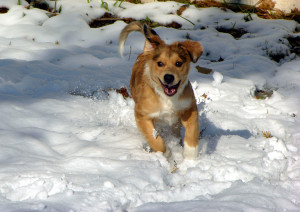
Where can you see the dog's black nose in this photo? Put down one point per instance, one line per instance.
(168, 78)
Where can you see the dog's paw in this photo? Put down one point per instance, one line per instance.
(190, 152)
(147, 148)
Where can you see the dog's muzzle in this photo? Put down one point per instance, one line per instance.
(170, 90)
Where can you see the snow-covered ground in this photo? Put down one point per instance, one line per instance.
(69, 142)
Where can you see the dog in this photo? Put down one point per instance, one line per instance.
(161, 90)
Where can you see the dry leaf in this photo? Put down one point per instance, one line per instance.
(123, 91)
(203, 70)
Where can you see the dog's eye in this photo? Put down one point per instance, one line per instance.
(178, 64)
(160, 64)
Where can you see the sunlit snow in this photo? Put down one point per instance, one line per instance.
(69, 142)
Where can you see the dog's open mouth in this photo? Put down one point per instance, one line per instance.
(170, 90)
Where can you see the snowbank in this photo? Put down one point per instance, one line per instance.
(68, 141)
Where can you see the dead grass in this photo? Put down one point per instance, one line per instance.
(264, 9)
(267, 134)
(175, 168)
(262, 94)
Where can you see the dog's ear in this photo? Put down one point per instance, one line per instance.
(194, 49)
(153, 40)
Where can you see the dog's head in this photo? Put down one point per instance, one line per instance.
(169, 65)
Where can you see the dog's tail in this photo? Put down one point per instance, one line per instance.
(134, 26)
(152, 38)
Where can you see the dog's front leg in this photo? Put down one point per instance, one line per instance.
(146, 126)
(189, 119)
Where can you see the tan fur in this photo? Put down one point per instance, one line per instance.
(148, 88)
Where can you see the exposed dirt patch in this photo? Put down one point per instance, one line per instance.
(207, 3)
(174, 25)
(41, 4)
(277, 56)
(3, 10)
(214, 61)
(235, 32)
(106, 19)
(109, 18)
(295, 43)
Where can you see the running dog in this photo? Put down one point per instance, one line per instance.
(161, 90)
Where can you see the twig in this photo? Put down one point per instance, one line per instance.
(175, 168)
(187, 20)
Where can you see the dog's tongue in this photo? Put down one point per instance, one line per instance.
(169, 91)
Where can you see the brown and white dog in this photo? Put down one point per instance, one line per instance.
(161, 90)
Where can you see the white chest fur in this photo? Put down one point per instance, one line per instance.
(170, 106)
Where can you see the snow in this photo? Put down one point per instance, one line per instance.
(154, 133)
(69, 142)
(218, 77)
